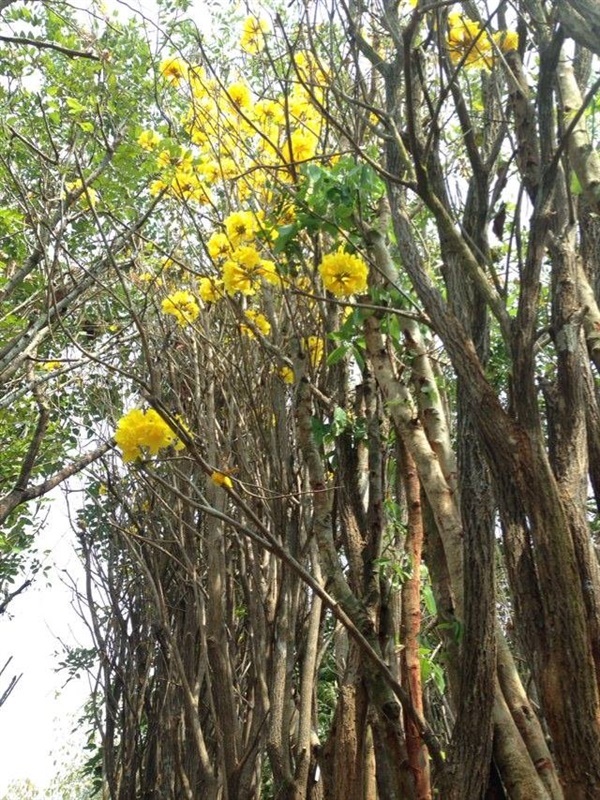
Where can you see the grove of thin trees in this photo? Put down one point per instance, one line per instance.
(300, 306)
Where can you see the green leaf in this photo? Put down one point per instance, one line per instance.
(575, 185)
(75, 106)
(337, 354)
(429, 600)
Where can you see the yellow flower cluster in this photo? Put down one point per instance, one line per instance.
(286, 374)
(241, 226)
(181, 177)
(88, 198)
(245, 269)
(253, 35)
(243, 142)
(140, 431)
(183, 306)
(315, 347)
(210, 289)
(173, 69)
(243, 148)
(148, 140)
(343, 274)
(50, 366)
(469, 43)
(221, 479)
(259, 321)
(219, 246)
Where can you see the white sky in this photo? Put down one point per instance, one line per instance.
(37, 718)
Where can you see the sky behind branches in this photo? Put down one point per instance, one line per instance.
(37, 720)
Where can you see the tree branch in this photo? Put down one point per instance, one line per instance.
(18, 496)
(66, 51)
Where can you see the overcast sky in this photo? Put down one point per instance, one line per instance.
(36, 720)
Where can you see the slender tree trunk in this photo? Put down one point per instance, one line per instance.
(411, 625)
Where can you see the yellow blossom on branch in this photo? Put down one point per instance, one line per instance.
(238, 278)
(269, 114)
(188, 186)
(183, 306)
(241, 226)
(210, 289)
(139, 431)
(157, 186)
(239, 95)
(286, 374)
(173, 69)
(221, 479)
(219, 246)
(244, 270)
(301, 146)
(248, 257)
(148, 140)
(343, 274)
(268, 272)
(506, 40)
(50, 366)
(259, 320)
(315, 347)
(211, 171)
(253, 35)
(468, 42)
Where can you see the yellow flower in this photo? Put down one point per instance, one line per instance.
(253, 40)
(221, 479)
(286, 374)
(211, 171)
(237, 278)
(188, 186)
(229, 169)
(343, 274)
(88, 198)
(181, 305)
(210, 289)
(219, 246)
(243, 271)
(259, 320)
(268, 272)
(156, 187)
(301, 108)
(468, 41)
(173, 69)
(268, 113)
(148, 140)
(241, 226)
(301, 146)
(139, 430)
(49, 366)
(248, 257)
(315, 347)
(239, 95)
(506, 40)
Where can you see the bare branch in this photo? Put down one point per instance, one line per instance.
(66, 51)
